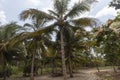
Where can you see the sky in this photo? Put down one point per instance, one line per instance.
(10, 9)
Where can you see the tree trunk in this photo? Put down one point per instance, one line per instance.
(41, 71)
(33, 59)
(41, 67)
(70, 66)
(53, 66)
(4, 68)
(97, 68)
(63, 55)
(114, 69)
(113, 66)
(32, 67)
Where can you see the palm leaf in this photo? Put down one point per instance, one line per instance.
(30, 35)
(85, 21)
(53, 13)
(60, 6)
(29, 25)
(79, 8)
(9, 30)
(35, 14)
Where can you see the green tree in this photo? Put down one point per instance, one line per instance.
(37, 24)
(108, 41)
(7, 32)
(64, 18)
(115, 4)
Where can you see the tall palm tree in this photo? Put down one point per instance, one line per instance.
(64, 18)
(37, 24)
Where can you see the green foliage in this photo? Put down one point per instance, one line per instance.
(15, 70)
(80, 47)
(115, 4)
(108, 41)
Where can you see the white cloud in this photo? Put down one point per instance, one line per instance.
(74, 1)
(47, 6)
(33, 2)
(1, 2)
(106, 11)
(3, 17)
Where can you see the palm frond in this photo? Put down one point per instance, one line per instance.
(30, 35)
(9, 30)
(89, 1)
(85, 21)
(61, 6)
(34, 13)
(29, 25)
(53, 13)
(46, 29)
(79, 8)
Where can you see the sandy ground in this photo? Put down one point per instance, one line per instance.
(88, 74)
(109, 74)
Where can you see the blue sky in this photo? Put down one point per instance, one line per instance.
(10, 9)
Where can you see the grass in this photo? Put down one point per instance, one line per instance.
(20, 74)
(105, 67)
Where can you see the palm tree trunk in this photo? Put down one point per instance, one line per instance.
(53, 66)
(25, 50)
(63, 55)
(32, 67)
(97, 67)
(4, 68)
(70, 66)
(41, 68)
(41, 71)
(114, 68)
(33, 60)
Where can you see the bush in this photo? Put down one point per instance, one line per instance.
(7, 72)
(15, 70)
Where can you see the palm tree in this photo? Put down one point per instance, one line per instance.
(73, 44)
(7, 32)
(37, 26)
(64, 18)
